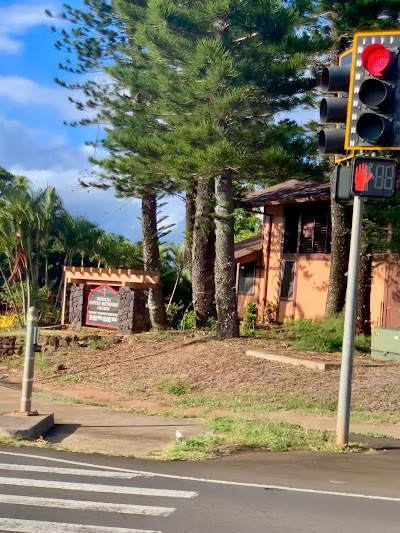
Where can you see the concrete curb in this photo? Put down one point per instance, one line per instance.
(295, 361)
(25, 427)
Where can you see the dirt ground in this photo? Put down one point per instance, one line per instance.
(133, 374)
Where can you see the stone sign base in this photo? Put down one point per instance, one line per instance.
(133, 315)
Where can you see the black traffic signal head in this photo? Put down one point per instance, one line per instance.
(333, 109)
(374, 105)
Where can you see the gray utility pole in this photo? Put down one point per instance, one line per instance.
(29, 364)
(350, 319)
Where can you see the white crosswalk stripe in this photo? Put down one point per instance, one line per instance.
(69, 471)
(86, 506)
(43, 478)
(37, 526)
(87, 487)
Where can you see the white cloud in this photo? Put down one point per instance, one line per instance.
(48, 160)
(16, 20)
(24, 92)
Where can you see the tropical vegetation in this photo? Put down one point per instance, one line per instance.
(38, 237)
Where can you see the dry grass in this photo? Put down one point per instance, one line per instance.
(145, 371)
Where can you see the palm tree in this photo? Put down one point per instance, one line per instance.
(177, 259)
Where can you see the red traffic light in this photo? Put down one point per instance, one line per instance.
(376, 58)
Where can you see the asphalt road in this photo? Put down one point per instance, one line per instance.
(44, 491)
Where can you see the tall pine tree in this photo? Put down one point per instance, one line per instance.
(240, 64)
(338, 21)
(195, 90)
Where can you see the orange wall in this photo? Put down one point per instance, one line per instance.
(311, 279)
(311, 285)
(377, 293)
(273, 274)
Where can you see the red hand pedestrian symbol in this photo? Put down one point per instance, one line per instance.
(362, 177)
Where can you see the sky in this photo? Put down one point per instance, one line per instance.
(34, 142)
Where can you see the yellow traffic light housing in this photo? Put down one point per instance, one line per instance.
(373, 116)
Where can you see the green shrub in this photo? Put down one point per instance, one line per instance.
(188, 321)
(174, 314)
(250, 319)
(320, 336)
(211, 324)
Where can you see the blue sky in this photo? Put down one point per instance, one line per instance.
(33, 140)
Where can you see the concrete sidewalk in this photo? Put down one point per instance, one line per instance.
(97, 429)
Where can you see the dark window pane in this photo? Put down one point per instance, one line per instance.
(316, 232)
(287, 286)
(291, 230)
(307, 233)
(321, 230)
(246, 278)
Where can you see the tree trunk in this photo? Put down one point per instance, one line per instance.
(339, 257)
(203, 254)
(151, 258)
(364, 295)
(225, 271)
(190, 205)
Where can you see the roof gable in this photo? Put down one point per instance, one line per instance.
(288, 192)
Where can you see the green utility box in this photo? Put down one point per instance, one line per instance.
(385, 344)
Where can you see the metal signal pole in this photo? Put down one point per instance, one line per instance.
(350, 321)
(30, 342)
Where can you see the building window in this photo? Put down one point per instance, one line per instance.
(308, 231)
(287, 285)
(291, 230)
(247, 274)
(315, 236)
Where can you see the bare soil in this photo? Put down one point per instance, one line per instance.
(131, 374)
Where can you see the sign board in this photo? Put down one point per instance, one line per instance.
(102, 307)
(373, 177)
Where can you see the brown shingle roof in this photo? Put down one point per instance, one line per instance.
(248, 246)
(289, 192)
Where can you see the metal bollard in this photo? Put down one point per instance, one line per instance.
(29, 364)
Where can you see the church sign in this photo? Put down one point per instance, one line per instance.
(102, 307)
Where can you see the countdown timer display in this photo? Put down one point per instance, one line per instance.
(373, 177)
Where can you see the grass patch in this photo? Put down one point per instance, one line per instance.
(380, 418)
(72, 378)
(375, 435)
(270, 435)
(19, 443)
(42, 364)
(253, 402)
(137, 410)
(14, 361)
(196, 449)
(174, 386)
(98, 343)
(319, 335)
(234, 434)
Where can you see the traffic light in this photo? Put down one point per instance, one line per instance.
(374, 104)
(333, 109)
(373, 177)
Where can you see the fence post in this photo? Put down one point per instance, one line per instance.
(29, 363)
